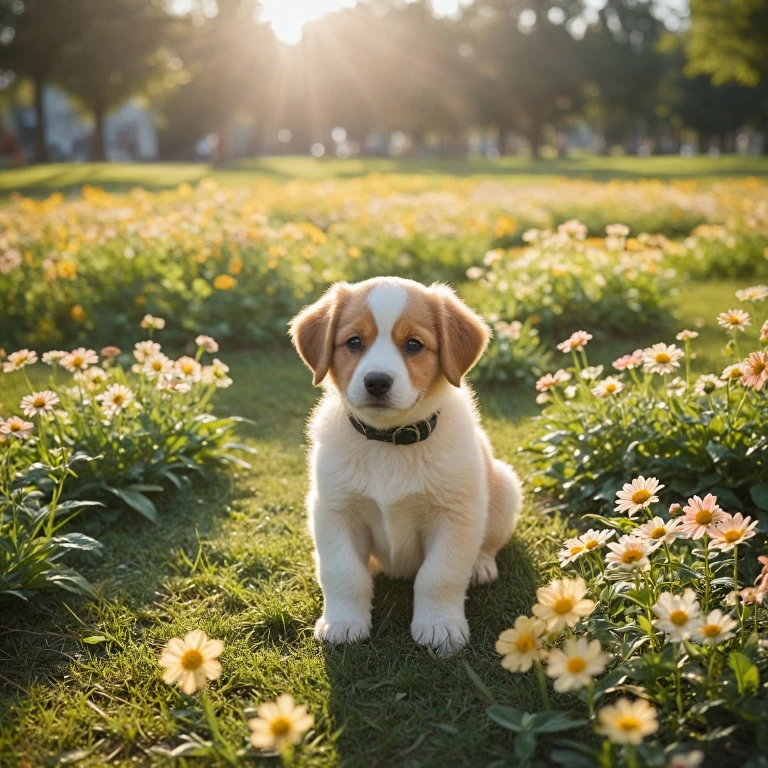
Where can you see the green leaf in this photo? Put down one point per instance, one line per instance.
(759, 494)
(478, 683)
(506, 717)
(525, 746)
(136, 501)
(747, 674)
(554, 722)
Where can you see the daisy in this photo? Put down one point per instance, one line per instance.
(662, 358)
(715, 628)
(18, 360)
(752, 595)
(630, 553)
(628, 722)
(155, 323)
(577, 664)
(191, 662)
(608, 387)
(593, 539)
(39, 403)
(755, 293)
(617, 230)
(187, 368)
(755, 370)
(687, 335)
(207, 343)
(733, 372)
(733, 320)
(93, 378)
(733, 530)
(53, 357)
(521, 646)
(764, 332)
(675, 509)
(677, 387)
(562, 603)
(699, 514)
(592, 372)
(167, 383)
(678, 616)
(145, 349)
(658, 530)
(79, 359)
(707, 384)
(573, 228)
(279, 724)
(109, 354)
(16, 427)
(629, 362)
(572, 550)
(637, 495)
(550, 380)
(216, 373)
(576, 340)
(157, 364)
(116, 398)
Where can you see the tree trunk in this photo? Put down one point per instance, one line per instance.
(41, 148)
(97, 153)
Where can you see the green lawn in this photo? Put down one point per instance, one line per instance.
(235, 560)
(44, 179)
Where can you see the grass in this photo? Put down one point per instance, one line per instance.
(41, 180)
(235, 560)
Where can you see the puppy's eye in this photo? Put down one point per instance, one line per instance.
(413, 345)
(355, 343)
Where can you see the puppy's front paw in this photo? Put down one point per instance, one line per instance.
(337, 632)
(484, 571)
(445, 636)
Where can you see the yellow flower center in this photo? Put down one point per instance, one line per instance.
(157, 366)
(610, 388)
(280, 726)
(641, 496)
(658, 533)
(628, 723)
(576, 550)
(711, 630)
(39, 402)
(563, 605)
(525, 643)
(592, 543)
(632, 556)
(704, 516)
(735, 320)
(77, 361)
(733, 535)
(678, 618)
(192, 660)
(758, 368)
(576, 664)
(118, 398)
(15, 426)
(662, 357)
(187, 369)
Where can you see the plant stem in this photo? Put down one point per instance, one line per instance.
(678, 684)
(707, 572)
(543, 686)
(739, 610)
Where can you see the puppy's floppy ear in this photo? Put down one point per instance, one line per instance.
(463, 334)
(313, 329)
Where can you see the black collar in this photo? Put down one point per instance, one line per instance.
(405, 435)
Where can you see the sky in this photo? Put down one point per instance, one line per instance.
(288, 16)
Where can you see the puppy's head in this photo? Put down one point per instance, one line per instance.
(389, 345)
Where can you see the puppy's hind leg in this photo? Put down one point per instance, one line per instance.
(504, 499)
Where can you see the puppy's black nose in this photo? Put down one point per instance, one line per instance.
(377, 384)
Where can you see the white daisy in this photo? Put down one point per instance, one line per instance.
(678, 616)
(637, 495)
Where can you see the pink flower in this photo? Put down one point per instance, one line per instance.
(576, 340)
(700, 514)
(628, 362)
(550, 380)
(755, 370)
(764, 332)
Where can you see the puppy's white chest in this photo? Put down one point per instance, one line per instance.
(396, 532)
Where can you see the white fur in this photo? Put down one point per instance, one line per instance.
(418, 511)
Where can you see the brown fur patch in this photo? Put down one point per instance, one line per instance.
(355, 319)
(420, 321)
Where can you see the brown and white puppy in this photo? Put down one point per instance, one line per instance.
(391, 353)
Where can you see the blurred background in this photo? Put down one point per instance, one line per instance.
(219, 80)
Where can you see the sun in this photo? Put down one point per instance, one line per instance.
(287, 17)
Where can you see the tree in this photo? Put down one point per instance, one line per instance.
(121, 51)
(728, 41)
(36, 31)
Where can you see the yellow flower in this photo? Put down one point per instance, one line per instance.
(67, 270)
(279, 723)
(628, 722)
(562, 603)
(521, 645)
(77, 313)
(354, 252)
(235, 265)
(224, 282)
(191, 663)
(577, 664)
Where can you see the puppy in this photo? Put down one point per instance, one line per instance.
(402, 475)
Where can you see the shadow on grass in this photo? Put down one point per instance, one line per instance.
(423, 708)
